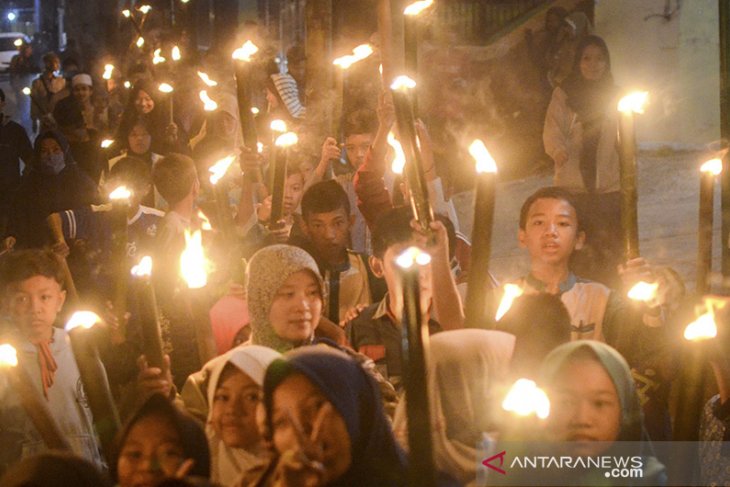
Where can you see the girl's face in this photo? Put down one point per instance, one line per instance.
(139, 140)
(298, 405)
(144, 103)
(593, 63)
(293, 192)
(297, 307)
(50, 146)
(234, 409)
(151, 452)
(585, 407)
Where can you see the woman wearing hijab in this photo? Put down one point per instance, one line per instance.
(326, 423)
(51, 184)
(580, 136)
(235, 389)
(464, 369)
(158, 442)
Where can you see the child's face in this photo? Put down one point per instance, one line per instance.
(34, 304)
(297, 398)
(234, 409)
(297, 307)
(144, 103)
(357, 146)
(585, 407)
(139, 140)
(293, 192)
(551, 232)
(151, 452)
(329, 233)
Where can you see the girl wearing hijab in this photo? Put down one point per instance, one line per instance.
(159, 442)
(464, 369)
(580, 136)
(594, 405)
(234, 392)
(326, 423)
(52, 183)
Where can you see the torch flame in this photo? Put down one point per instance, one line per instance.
(358, 54)
(106, 143)
(206, 79)
(145, 9)
(245, 52)
(157, 58)
(511, 292)
(255, 110)
(175, 53)
(633, 102)
(192, 261)
(713, 166)
(399, 160)
(18, 42)
(219, 169)
(204, 222)
(108, 69)
(8, 356)
(525, 398)
(127, 84)
(144, 268)
(643, 291)
(26, 91)
(278, 126)
(166, 88)
(140, 42)
(259, 147)
(126, 13)
(83, 319)
(703, 328)
(417, 7)
(120, 193)
(485, 161)
(412, 256)
(209, 105)
(287, 140)
(403, 83)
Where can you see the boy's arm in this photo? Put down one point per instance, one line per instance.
(330, 150)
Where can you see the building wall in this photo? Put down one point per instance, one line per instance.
(676, 60)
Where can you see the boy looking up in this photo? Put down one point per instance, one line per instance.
(32, 282)
(327, 217)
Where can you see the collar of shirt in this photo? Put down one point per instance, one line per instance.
(540, 286)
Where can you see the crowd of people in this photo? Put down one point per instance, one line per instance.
(304, 380)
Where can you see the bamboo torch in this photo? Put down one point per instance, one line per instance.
(343, 63)
(193, 269)
(218, 170)
(411, 30)
(402, 89)
(708, 174)
(415, 340)
(481, 237)
(278, 127)
(120, 209)
(93, 377)
(167, 89)
(149, 315)
(242, 57)
(31, 401)
(283, 142)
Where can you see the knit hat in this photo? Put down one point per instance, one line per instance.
(81, 79)
(286, 88)
(268, 269)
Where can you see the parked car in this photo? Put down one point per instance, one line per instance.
(8, 49)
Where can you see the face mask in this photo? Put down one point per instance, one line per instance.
(52, 163)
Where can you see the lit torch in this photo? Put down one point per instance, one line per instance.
(167, 89)
(149, 315)
(243, 56)
(120, 208)
(283, 143)
(411, 34)
(206, 79)
(708, 174)
(209, 105)
(511, 292)
(108, 70)
(175, 54)
(218, 170)
(157, 57)
(525, 398)
(358, 54)
(399, 158)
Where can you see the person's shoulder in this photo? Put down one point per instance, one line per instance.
(152, 213)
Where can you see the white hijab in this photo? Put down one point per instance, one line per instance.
(464, 369)
(227, 464)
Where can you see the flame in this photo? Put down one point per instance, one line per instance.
(286, 140)
(166, 88)
(157, 58)
(412, 256)
(219, 169)
(83, 319)
(417, 7)
(192, 261)
(106, 143)
(127, 84)
(8, 356)
(18, 42)
(703, 328)
(26, 91)
(485, 161)
(255, 110)
(633, 102)
(278, 126)
(403, 83)
(643, 291)
(144, 268)
(175, 53)
(108, 69)
(145, 9)
(120, 193)
(399, 160)
(358, 54)
(204, 222)
(245, 52)
(525, 398)
(140, 42)
(259, 147)
(511, 292)
(206, 79)
(126, 13)
(208, 104)
(713, 166)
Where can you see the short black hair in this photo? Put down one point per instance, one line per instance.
(392, 227)
(173, 177)
(362, 121)
(550, 192)
(17, 266)
(131, 171)
(324, 197)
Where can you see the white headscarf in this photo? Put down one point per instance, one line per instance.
(227, 464)
(464, 368)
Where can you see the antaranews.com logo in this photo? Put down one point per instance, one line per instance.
(613, 466)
